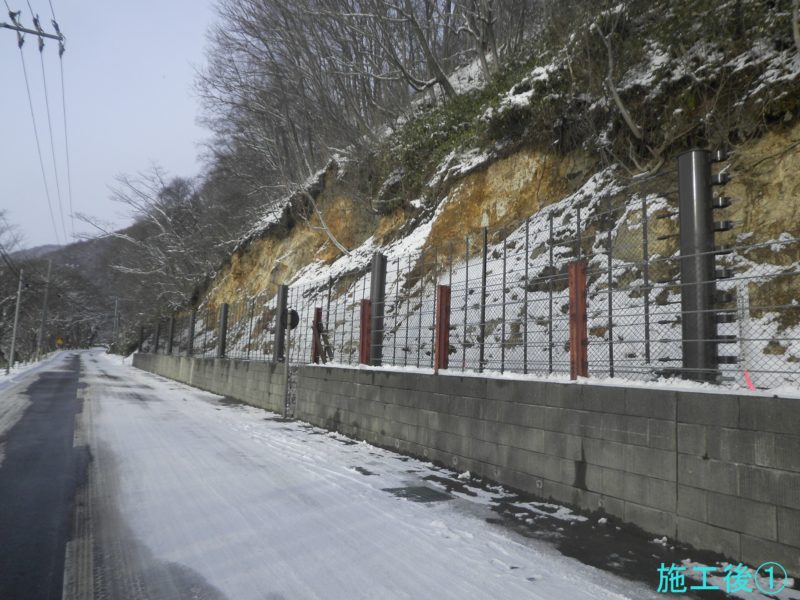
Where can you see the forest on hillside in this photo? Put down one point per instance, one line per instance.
(392, 88)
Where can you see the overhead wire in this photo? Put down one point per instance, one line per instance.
(35, 18)
(38, 147)
(64, 113)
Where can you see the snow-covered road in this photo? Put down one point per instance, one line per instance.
(187, 495)
(191, 496)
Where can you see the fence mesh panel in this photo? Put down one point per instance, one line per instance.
(510, 307)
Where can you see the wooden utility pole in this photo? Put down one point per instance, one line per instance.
(40, 337)
(14, 330)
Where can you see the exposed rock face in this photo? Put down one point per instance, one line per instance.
(501, 194)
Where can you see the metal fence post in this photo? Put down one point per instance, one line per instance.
(700, 359)
(525, 299)
(192, 322)
(316, 342)
(377, 294)
(578, 335)
(141, 338)
(158, 336)
(610, 284)
(503, 317)
(171, 335)
(481, 357)
(365, 337)
(223, 330)
(421, 304)
(441, 353)
(281, 324)
(250, 327)
(551, 274)
(646, 279)
(466, 303)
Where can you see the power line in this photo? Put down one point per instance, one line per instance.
(64, 113)
(38, 146)
(36, 24)
(53, 147)
(66, 146)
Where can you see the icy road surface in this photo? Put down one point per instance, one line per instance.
(187, 496)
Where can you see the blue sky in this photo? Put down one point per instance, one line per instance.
(129, 71)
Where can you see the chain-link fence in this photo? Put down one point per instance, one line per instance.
(512, 304)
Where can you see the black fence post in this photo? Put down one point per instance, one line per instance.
(503, 317)
(481, 358)
(646, 278)
(280, 323)
(223, 330)
(610, 284)
(377, 293)
(192, 323)
(158, 336)
(551, 274)
(170, 335)
(698, 286)
(466, 303)
(525, 299)
(421, 303)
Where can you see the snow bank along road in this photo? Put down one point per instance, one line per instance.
(119, 484)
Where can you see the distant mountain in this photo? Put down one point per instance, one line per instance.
(37, 252)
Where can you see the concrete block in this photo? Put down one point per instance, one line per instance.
(526, 438)
(652, 403)
(785, 451)
(649, 491)
(743, 515)
(522, 414)
(789, 490)
(758, 483)
(692, 503)
(565, 420)
(507, 390)
(420, 382)
(651, 461)
(789, 527)
(623, 428)
(778, 415)
(611, 506)
(604, 453)
(604, 399)
(661, 434)
(708, 409)
(650, 519)
(713, 475)
(485, 452)
(562, 444)
(558, 395)
(463, 386)
(708, 537)
(692, 439)
(756, 551)
(734, 445)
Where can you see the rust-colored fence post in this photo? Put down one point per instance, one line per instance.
(578, 334)
(316, 344)
(442, 344)
(364, 338)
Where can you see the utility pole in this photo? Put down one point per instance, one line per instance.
(40, 337)
(14, 330)
(116, 305)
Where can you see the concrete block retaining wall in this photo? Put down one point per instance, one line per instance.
(255, 383)
(720, 472)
